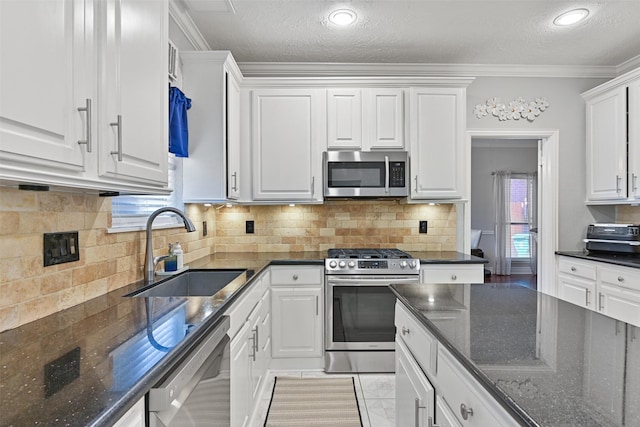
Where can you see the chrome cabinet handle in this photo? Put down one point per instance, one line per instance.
(587, 297)
(317, 305)
(417, 407)
(295, 277)
(256, 342)
(600, 301)
(454, 277)
(573, 269)
(405, 331)
(416, 188)
(118, 124)
(313, 186)
(634, 182)
(618, 180)
(620, 279)
(235, 181)
(254, 347)
(465, 411)
(87, 140)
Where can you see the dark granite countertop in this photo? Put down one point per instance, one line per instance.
(627, 260)
(547, 361)
(95, 345)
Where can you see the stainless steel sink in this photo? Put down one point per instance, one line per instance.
(191, 283)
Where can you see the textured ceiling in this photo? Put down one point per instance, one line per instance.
(515, 32)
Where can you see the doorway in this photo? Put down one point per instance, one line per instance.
(543, 149)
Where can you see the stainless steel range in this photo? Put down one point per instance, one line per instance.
(360, 307)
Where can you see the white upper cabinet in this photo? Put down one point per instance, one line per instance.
(437, 132)
(365, 119)
(133, 120)
(45, 76)
(287, 127)
(211, 172)
(78, 81)
(613, 140)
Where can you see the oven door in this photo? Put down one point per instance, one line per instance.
(360, 312)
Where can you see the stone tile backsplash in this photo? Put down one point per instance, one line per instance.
(109, 261)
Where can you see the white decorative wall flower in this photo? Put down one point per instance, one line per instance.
(514, 110)
(480, 110)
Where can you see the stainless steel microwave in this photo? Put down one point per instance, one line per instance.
(373, 174)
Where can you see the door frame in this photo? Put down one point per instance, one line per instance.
(548, 161)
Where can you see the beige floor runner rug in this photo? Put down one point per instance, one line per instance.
(313, 402)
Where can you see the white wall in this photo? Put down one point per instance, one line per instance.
(485, 160)
(567, 114)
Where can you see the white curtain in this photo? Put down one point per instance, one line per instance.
(502, 203)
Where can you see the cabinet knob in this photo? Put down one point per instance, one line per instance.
(620, 279)
(295, 277)
(405, 330)
(454, 277)
(573, 269)
(465, 411)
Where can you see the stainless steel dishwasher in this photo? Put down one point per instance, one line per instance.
(197, 392)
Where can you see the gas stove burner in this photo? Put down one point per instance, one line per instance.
(367, 253)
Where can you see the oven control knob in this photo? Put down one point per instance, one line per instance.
(342, 264)
(412, 264)
(352, 264)
(333, 264)
(403, 264)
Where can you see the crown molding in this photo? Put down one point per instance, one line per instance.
(349, 81)
(178, 12)
(628, 65)
(315, 69)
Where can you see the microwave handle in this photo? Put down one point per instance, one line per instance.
(386, 174)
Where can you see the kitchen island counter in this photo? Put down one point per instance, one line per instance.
(545, 361)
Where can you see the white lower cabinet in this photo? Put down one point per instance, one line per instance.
(441, 381)
(414, 393)
(134, 417)
(250, 349)
(608, 289)
(632, 390)
(452, 273)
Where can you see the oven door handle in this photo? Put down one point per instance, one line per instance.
(371, 280)
(167, 398)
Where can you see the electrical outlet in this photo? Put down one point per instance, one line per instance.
(423, 227)
(250, 227)
(59, 248)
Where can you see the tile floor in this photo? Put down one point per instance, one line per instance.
(375, 393)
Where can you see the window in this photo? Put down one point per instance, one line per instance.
(131, 212)
(519, 209)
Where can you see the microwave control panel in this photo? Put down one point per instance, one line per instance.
(397, 174)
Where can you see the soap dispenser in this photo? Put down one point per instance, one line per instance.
(171, 263)
(177, 249)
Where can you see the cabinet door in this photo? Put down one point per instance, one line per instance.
(384, 118)
(241, 359)
(606, 146)
(437, 131)
(287, 127)
(44, 78)
(297, 322)
(414, 393)
(133, 123)
(255, 323)
(576, 290)
(634, 138)
(344, 118)
(233, 137)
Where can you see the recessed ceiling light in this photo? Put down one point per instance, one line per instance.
(343, 17)
(571, 17)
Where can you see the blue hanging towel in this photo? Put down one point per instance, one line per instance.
(178, 128)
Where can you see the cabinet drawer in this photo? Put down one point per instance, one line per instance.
(466, 398)
(620, 276)
(419, 341)
(452, 273)
(296, 276)
(584, 269)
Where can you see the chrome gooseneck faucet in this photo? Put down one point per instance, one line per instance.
(149, 261)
